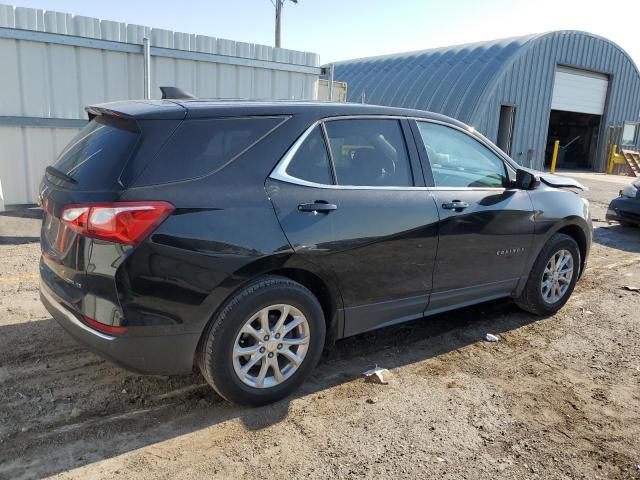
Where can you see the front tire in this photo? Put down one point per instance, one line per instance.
(553, 276)
(264, 342)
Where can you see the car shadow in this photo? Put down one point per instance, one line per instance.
(619, 237)
(20, 226)
(17, 240)
(59, 393)
(23, 212)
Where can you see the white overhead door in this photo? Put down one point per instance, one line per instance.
(579, 91)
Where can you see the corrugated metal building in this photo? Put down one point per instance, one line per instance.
(54, 64)
(522, 93)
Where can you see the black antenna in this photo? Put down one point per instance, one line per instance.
(175, 93)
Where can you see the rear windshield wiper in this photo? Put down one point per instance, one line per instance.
(54, 172)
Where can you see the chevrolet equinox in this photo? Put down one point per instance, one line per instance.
(242, 238)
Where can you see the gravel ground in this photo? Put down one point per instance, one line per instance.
(555, 397)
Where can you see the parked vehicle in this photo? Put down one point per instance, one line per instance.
(626, 208)
(243, 238)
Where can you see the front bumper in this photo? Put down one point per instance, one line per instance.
(624, 209)
(159, 354)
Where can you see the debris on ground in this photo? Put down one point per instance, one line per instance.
(372, 400)
(378, 375)
(490, 337)
(454, 384)
(632, 289)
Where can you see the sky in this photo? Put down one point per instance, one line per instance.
(347, 29)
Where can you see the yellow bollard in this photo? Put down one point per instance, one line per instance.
(554, 158)
(612, 157)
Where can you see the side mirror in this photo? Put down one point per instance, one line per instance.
(526, 180)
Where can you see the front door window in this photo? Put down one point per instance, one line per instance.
(459, 160)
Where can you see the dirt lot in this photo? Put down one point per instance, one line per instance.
(556, 397)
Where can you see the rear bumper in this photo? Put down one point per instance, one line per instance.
(159, 354)
(624, 209)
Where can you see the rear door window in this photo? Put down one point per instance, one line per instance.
(369, 152)
(97, 155)
(202, 146)
(311, 161)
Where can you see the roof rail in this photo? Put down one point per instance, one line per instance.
(175, 93)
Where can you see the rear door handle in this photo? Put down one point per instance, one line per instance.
(318, 206)
(455, 205)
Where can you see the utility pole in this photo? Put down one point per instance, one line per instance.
(278, 4)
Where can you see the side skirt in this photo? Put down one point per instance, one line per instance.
(461, 297)
(378, 315)
(364, 318)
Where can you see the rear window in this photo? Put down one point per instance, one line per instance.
(97, 155)
(202, 146)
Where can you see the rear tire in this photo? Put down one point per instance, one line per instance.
(549, 286)
(246, 352)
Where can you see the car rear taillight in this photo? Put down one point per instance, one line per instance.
(103, 327)
(120, 222)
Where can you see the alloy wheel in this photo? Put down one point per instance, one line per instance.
(271, 346)
(557, 276)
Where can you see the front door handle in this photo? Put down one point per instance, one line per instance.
(318, 206)
(455, 205)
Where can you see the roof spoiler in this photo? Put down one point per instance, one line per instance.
(175, 93)
(94, 110)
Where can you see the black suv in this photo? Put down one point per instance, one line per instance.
(244, 237)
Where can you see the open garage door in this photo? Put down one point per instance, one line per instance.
(579, 91)
(577, 105)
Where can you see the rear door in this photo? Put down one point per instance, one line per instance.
(89, 168)
(486, 225)
(351, 198)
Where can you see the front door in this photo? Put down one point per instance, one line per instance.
(486, 226)
(355, 210)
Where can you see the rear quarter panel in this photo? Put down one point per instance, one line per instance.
(209, 246)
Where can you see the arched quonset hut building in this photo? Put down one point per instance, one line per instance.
(522, 93)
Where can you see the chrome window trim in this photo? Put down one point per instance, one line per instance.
(280, 170)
